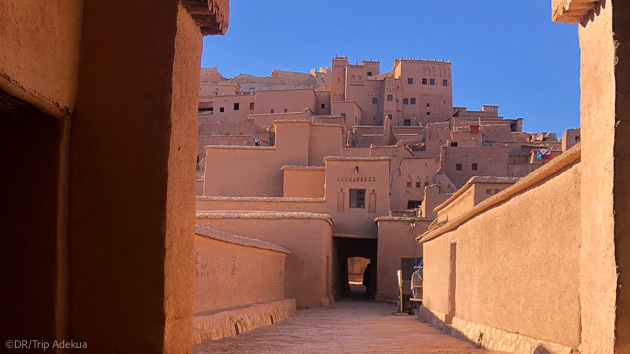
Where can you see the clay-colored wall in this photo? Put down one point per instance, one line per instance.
(39, 60)
(308, 276)
(324, 141)
(230, 275)
(491, 161)
(271, 204)
(598, 282)
(515, 271)
(458, 206)
(373, 176)
(267, 119)
(304, 183)
(258, 172)
(322, 102)
(227, 102)
(396, 240)
(279, 100)
(352, 112)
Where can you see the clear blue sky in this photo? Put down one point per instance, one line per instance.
(504, 52)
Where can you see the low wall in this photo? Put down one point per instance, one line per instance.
(516, 260)
(308, 277)
(233, 271)
(230, 322)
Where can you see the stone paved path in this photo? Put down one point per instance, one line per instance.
(346, 327)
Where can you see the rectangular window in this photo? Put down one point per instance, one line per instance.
(432, 82)
(323, 105)
(369, 73)
(273, 111)
(426, 183)
(221, 109)
(474, 167)
(444, 82)
(412, 100)
(251, 106)
(458, 167)
(390, 98)
(286, 110)
(237, 106)
(405, 101)
(424, 81)
(418, 184)
(488, 191)
(357, 198)
(408, 184)
(410, 81)
(454, 144)
(374, 100)
(407, 122)
(428, 113)
(343, 115)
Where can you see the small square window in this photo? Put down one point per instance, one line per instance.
(343, 115)
(374, 100)
(458, 167)
(369, 73)
(428, 105)
(323, 105)
(408, 184)
(251, 106)
(357, 198)
(453, 143)
(488, 191)
(405, 101)
(444, 82)
(412, 100)
(410, 81)
(273, 111)
(360, 78)
(221, 109)
(418, 184)
(352, 76)
(432, 82)
(428, 113)
(473, 167)
(286, 110)
(424, 81)
(390, 98)
(407, 122)
(426, 183)
(237, 106)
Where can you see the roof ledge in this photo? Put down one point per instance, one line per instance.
(212, 16)
(572, 11)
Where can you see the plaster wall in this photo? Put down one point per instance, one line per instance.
(598, 281)
(308, 269)
(271, 204)
(341, 176)
(396, 240)
(491, 161)
(325, 140)
(230, 114)
(281, 100)
(41, 64)
(351, 112)
(229, 275)
(514, 272)
(267, 119)
(303, 183)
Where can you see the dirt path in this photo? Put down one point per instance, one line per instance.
(345, 327)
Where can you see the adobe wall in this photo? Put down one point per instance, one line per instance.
(396, 240)
(207, 203)
(233, 271)
(517, 263)
(281, 100)
(308, 276)
(341, 176)
(491, 161)
(267, 119)
(305, 182)
(604, 108)
(325, 140)
(229, 114)
(41, 65)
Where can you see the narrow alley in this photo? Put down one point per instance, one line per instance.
(349, 326)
